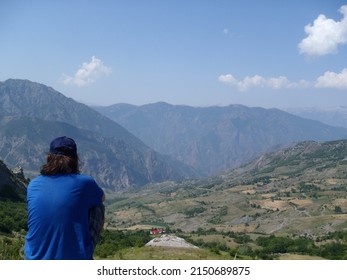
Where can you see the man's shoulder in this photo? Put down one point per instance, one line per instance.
(84, 177)
(37, 179)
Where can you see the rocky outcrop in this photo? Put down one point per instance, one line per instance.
(12, 184)
(168, 240)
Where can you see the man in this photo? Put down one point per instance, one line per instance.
(62, 206)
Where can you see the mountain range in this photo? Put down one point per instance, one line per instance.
(212, 139)
(125, 146)
(32, 114)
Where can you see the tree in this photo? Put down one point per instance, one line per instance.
(338, 209)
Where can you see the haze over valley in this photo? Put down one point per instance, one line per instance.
(217, 170)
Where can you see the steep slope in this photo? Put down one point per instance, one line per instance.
(13, 209)
(25, 141)
(212, 139)
(33, 114)
(306, 160)
(26, 98)
(12, 186)
(331, 116)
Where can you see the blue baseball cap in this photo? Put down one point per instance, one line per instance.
(63, 146)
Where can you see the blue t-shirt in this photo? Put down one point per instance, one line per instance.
(58, 217)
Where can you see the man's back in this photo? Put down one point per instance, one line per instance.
(58, 216)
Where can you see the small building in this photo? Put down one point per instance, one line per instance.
(156, 231)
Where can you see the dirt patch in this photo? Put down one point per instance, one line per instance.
(301, 202)
(248, 192)
(271, 204)
(332, 181)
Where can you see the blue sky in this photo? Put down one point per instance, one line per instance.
(267, 53)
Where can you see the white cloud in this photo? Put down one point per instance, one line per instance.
(333, 80)
(325, 35)
(226, 31)
(257, 81)
(228, 79)
(278, 83)
(328, 80)
(249, 82)
(88, 73)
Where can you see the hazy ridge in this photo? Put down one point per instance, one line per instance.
(212, 139)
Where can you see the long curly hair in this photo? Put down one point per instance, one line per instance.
(60, 164)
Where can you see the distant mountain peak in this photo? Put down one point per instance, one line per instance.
(34, 114)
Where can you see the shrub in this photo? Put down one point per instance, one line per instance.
(112, 241)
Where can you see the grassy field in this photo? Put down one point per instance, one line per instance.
(298, 257)
(167, 253)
